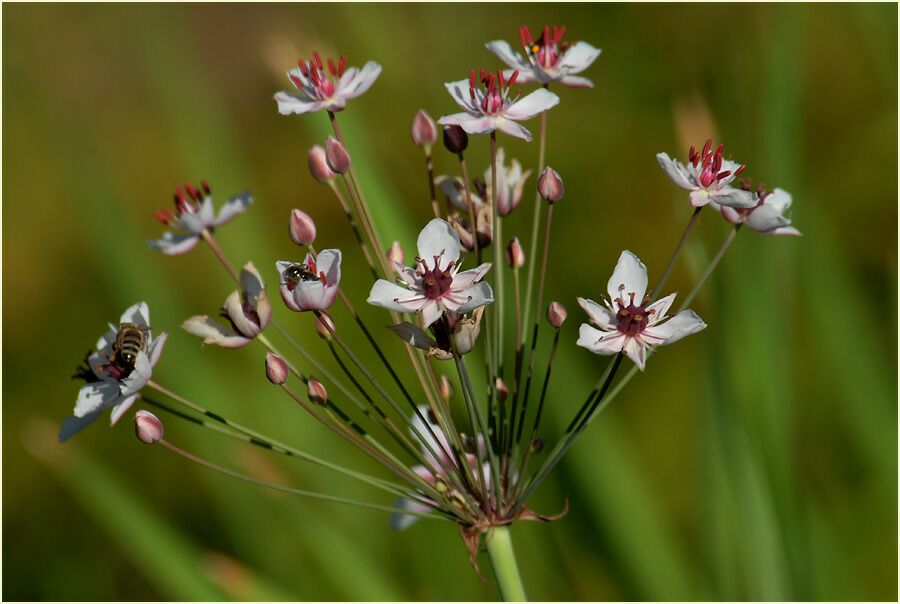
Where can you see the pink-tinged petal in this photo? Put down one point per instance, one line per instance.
(478, 295)
(289, 104)
(431, 434)
(734, 198)
(576, 82)
(399, 520)
(206, 212)
(600, 342)
(630, 276)
(454, 189)
(95, 397)
(313, 295)
(194, 222)
(406, 274)
(138, 377)
(472, 124)
(251, 281)
(236, 204)
(438, 239)
(156, 348)
(513, 129)
(214, 332)
(505, 53)
(676, 171)
(287, 296)
(234, 308)
(729, 214)
(578, 58)
(636, 351)
(329, 262)
(139, 314)
(599, 315)
(467, 278)
(459, 90)
(765, 218)
(681, 325)
(73, 425)
(105, 342)
(412, 335)
(173, 244)
(526, 74)
(531, 105)
(785, 231)
(120, 408)
(699, 198)
(394, 297)
(780, 200)
(431, 312)
(660, 308)
(363, 81)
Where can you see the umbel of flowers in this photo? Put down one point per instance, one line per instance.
(463, 443)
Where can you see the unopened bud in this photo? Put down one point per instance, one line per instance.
(318, 165)
(316, 391)
(550, 185)
(302, 228)
(424, 132)
(537, 445)
(336, 155)
(445, 388)
(147, 427)
(395, 254)
(515, 255)
(276, 369)
(324, 326)
(440, 485)
(455, 139)
(502, 389)
(556, 314)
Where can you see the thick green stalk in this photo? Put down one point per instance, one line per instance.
(503, 560)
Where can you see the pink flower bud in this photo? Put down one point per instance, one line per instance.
(316, 391)
(318, 165)
(455, 139)
(502, 389)
(445, 388)
(324, 326)
(302, 228)
(515, 255)
(276, 369)
(336, 155)
(147, 427)
(550, 185)
(395, 254)
(556, 314)
(424, 132)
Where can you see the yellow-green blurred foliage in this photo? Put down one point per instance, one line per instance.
(756, 460)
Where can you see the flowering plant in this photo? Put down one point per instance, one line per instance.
(471, 454)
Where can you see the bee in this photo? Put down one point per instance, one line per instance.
(129, 343)
(296, 273)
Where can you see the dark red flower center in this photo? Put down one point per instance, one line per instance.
(436, 282)
(633, 318)
(496, 89)
(547, 49)
(319, 82)
(710, 164)
(187, 201)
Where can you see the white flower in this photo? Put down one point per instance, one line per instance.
(548, 59)
(247, 312)
(316, 89)
(489, 107)
(312, 284)
(193, 214)
(707, 177)
(510, 183)
(454, 188)
(627, 323)
(115, 374)
(435, 284)
(767, 216)
(441, 446)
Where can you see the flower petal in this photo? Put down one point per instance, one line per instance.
(431, 434)
(173, 244)
(156, 348)
(681, 325)
(467, 278)
(236, 204)
(459, 90)
(637, 352)
(660, 308)
(361, 82)
(214, 332)
(478, 295)
(412, 335)
(599, 315)
(400, 521)
(139, 314)
(513, 129)
(95, 396)
(600, 342)
(394, 297)
(531, 105)
(329, 262)
(676, 171)
(576, 82)
(473, 124)
(73, 425)
(734, 198)
(289, 104)
(430, 312)
(630, 276)
(120, 408)
(578, 58)
(438, 239)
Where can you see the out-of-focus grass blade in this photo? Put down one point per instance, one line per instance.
(154, 547)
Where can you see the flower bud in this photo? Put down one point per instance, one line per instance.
(276, 369)
(395, 254)
(324, 326)
(316, 391)
(550, 185)
(515, 255)
(556, 314)
(336, 155)
(318, 165)
(455, 139)
(147, 427)
(424, 132)
(302, 228)
(445, 388)
(537, 445)
(502, 389)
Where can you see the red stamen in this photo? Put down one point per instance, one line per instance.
(545, 38)
(304, 69)
(739, 170)
(342, 65)
(523, 37)
(322, 278)
(332, 68)
(164, 216)
(562, 32)
(192, 191)
(500, 78)
(706, 148)
(297, 81)
(317, 59)
(723, 174)
(512, 78)
(205, 186)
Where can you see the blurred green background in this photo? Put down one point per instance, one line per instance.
(756, 460)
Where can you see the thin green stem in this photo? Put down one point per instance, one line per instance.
(503, 560)
(535, 225)
(712, 266)
(676, 253)
(429, 168)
